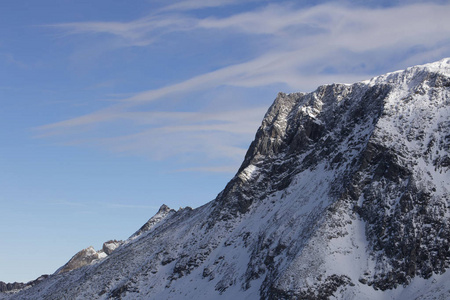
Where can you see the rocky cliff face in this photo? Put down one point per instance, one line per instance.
(344, 193)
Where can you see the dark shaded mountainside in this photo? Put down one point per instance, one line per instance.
(343, 194)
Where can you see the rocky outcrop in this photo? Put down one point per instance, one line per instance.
(82, 258)
(17, 286)
(110, 246)
(5, 287)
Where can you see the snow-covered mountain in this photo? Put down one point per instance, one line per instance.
(343, 194)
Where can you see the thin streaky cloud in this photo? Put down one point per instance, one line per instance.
(141, 32)
(218, 134)
(219, 169)
(159, 146)
(67, 203)
(152, 118)
(130, 206)
(197, 4)
(97, 117)
(232, 122)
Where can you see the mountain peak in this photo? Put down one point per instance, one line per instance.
(162, 213)
(344, 193)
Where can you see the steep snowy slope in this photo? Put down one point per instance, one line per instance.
(343, 194)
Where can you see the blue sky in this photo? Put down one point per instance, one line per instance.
(111, 108)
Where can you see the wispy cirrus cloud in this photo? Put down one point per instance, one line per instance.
(302, 48)
(336, 27)
(141, 32)
(213, 169)
(129, 206)
(188, 5)
(161, 135)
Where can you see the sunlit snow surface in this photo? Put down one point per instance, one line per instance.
(315, 195)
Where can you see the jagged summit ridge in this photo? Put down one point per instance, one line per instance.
(163, 212)
(343, 194)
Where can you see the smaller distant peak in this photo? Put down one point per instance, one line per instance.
(162, 213)
(82, 258)
(164, 209)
